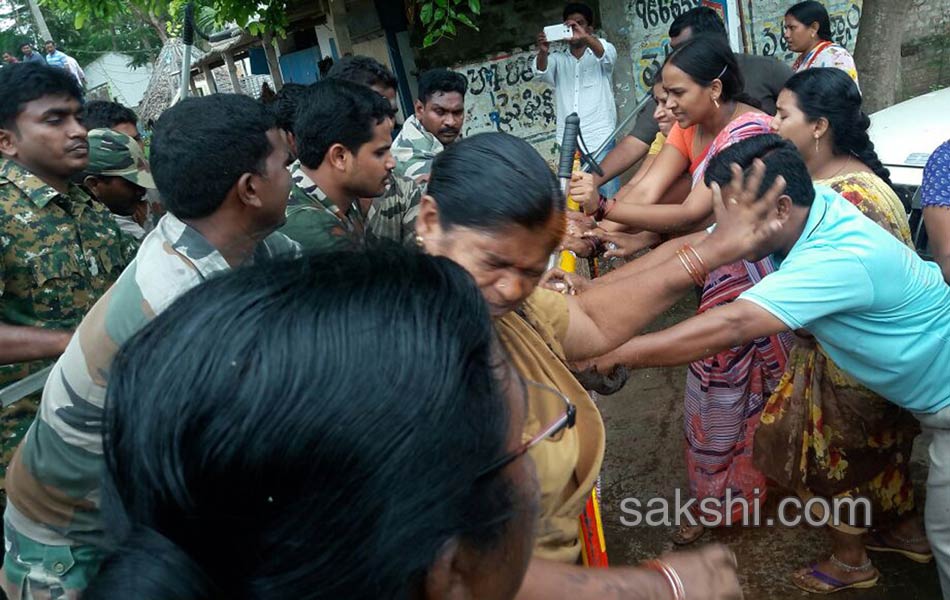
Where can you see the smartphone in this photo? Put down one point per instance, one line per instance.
(556, 33)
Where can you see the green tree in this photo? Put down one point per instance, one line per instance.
(255, 17)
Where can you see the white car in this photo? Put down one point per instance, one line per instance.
(904, 137)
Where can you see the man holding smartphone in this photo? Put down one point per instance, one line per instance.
(582, 80)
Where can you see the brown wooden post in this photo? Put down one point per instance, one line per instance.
(209, 77)
(273, 65)
(232, 73)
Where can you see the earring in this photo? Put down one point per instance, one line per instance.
(420, 242)
(716, 102)
(816, 143)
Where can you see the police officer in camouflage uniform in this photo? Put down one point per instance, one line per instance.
(217, 220)
(437, 122)
(59, 250)
(393, 215)
(344, 133)
(119, 176)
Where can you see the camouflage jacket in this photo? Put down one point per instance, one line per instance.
(53, 481)
(315, 222)
(58, 254)
(414, 149)
(392, 216)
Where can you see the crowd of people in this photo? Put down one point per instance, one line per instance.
(293, 352)
(52, 56)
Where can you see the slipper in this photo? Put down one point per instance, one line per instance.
(836, 585)
(681, 538)
(876, 543)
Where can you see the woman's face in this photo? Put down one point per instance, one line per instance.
(688, 102)
(792, 124)
(506, 263)
(661, 115)
(799, 37)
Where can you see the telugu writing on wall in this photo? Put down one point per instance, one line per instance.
(764, 22)
(650, 22)
(505, 95)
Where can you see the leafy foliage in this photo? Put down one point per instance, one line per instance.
(256, 17)
(440, 17)
(126, 34)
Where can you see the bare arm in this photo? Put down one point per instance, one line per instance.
(697, 337)
(654, 258)
(666, 218)
(626, 154)
(937, 221)
(605, 316)
(547, 580)
(544, 47)
(644, 168)
(608, 315)
(23, 344)
(707, 574)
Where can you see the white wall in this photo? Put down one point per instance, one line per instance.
(125, 83)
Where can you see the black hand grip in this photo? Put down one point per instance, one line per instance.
(572, 127)
(188, 33)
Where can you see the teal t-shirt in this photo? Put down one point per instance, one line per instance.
(878, 310)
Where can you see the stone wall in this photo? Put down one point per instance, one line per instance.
(925, 53)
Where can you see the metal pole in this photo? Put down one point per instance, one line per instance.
(188, 39)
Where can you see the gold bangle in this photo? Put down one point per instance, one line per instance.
(694, 273)
(699, 259)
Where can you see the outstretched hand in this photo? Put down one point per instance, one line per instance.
(745, 220)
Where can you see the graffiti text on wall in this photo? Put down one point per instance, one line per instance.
(653, 13)
(505, 95)
(651, 20)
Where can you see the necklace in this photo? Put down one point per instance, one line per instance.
(838, 172)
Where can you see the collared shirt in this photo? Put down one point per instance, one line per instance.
(56, 59)
(53, 480)
(315, 222)
(72, 66)
(584, 86)
(392, 216)
(35, 57)
(58, 254)
(414, 149)
(880, 312)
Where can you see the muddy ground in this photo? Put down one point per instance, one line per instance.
(645, 459)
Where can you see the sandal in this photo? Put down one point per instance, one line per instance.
(687, 534)
(877, 543)
(814, 581)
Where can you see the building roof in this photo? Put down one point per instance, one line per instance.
(162, 89)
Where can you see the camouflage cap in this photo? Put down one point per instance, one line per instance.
(115, 154)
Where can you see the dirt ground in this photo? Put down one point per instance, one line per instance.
(645, 459)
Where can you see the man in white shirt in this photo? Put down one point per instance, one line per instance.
(582, 80)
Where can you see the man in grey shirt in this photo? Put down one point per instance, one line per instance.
(764, 76)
